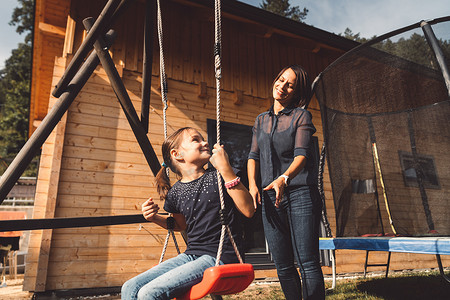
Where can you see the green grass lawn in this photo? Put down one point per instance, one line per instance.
(406, 285)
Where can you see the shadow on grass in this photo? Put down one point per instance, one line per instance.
(406, 287)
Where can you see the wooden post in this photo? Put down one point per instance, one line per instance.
(125, 101)
(52, 193)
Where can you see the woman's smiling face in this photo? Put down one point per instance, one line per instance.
(284, 87)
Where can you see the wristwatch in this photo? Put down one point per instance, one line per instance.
(286, 179)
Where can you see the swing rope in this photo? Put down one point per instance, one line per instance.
(170, 232)
(226, 279)
(218, 75)
(164, 90)
(162, 69)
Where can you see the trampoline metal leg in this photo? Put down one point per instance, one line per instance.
(377, 265)
(333, 268)
(387, 265)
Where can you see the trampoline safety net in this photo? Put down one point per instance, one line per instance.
(386, 123)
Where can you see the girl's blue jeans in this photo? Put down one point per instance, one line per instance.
(172, 278)
(292, 232)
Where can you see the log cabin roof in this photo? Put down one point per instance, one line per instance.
(275, 23)
(52, 25)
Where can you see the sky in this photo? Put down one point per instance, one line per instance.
(9, 38)
(366, 17)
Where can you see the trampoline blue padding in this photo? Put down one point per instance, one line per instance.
(423, 245)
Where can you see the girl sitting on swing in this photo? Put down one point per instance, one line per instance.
(194, 202)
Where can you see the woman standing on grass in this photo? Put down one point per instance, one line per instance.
(281, 156)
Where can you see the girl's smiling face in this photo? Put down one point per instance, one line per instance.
(194, 148)
(284, 87)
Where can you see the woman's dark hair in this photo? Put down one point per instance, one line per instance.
(302, 92)
(162, 179)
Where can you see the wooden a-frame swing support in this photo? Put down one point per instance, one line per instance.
(76, 76)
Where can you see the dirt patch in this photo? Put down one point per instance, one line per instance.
(262, 289)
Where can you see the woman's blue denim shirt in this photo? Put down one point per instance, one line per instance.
(277, 139)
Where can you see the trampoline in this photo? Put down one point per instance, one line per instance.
(385, 116)
(420, 245)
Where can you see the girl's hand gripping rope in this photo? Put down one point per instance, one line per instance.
(219, 160)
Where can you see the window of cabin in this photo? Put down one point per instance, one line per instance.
(236, 139)
(426, 166)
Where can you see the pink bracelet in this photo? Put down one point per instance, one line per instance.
(232, 183)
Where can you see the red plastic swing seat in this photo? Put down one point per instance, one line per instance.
(222, 280)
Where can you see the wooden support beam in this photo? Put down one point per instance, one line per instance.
(238, 97)
(56, 144)
(269, 33)
(119, 68)
(316, 49)
(125, 101)
(202, 90)
(69, 36)
(52, 29)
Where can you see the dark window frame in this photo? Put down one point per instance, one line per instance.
(428, 166)
(233, 133)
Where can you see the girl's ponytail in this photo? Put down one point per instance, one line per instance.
(162, 182)
(162, 179)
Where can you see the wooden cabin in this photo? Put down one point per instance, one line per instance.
(91, 165)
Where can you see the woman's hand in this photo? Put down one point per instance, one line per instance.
(278, 186)
(253, 172)
(149, 209)
(254, 192)
(219, 159)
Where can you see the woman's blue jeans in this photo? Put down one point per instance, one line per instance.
(172, 278)
(292, 231)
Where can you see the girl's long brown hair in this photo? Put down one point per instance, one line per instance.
(162, 180)
(302, 93)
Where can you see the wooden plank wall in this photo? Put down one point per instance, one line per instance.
(102, 169)
(49, 29)
(45, 199)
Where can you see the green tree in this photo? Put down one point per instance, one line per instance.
(23, 18)
(415, 48)
(348, 33)
(283, 8)
(15, 80)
